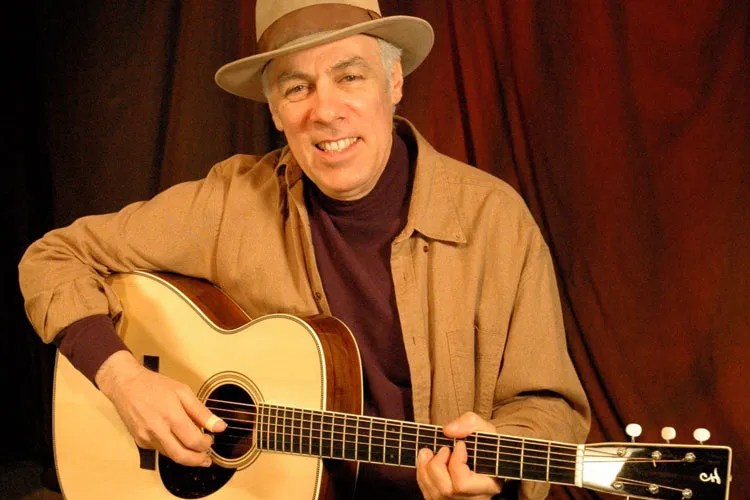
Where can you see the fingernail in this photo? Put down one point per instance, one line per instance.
(214, 424)
(206, 463)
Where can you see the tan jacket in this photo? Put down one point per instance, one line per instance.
(474, 283)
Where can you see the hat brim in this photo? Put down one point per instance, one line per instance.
(414, 36)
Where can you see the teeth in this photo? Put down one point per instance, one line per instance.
(337, 145)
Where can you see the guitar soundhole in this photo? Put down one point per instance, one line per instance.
(231, 447)
(233, 404)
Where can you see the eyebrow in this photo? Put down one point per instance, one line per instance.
(344, 64)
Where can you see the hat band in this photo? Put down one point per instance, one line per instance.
(310, 20)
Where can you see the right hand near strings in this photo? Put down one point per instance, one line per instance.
(159, 412)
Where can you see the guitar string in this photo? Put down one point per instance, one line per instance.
(332, 416)
(635, 482)
(533, 449)
(483, 451)
(332, 436)
(341, 428)
(527, 442)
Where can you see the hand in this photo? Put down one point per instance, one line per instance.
(160, 413)
(445, 475)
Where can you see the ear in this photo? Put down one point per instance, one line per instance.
(275, 117)
(397, 83)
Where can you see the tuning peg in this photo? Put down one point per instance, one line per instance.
(701, 435)
(633, 430)
(668, 433)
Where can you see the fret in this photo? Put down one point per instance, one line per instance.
(562, 468)
(276, 428)
(325, 435)
(390, 449)
(409, 453)
(364, 433)
(400, 440)
(509, 467)
(268, 428)
(259, 427)
(310, 433)
(304, 432)
(416, 444)
(284, 420)
(337, 447)
(316, 434)
(350, 452)
(377, 447)
(549, 455)
(485, 454)
(536, 466)
(497, 457)
(356, 437)
(296, 432)
(476, 452)
(523, 443)
(369, 441)
(423, 437)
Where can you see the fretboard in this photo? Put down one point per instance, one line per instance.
(392, 442)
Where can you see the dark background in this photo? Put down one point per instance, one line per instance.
(624, 125)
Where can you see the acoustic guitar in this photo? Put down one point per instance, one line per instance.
(290, 390)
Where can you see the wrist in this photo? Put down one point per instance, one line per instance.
(116, 368)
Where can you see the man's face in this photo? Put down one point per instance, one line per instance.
(335, 107)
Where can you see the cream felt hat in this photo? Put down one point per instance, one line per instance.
(285, 26)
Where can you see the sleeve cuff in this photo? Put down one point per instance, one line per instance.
(88, 342)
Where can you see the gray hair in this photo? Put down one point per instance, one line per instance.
(389, 55)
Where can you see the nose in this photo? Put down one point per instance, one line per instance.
(327, 106)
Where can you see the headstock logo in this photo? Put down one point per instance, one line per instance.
(710, 478)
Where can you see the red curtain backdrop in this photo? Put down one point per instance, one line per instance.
(624, 125)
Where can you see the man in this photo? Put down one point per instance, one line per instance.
(437, 268)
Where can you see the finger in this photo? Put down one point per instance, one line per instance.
(459, 472)
(171, 447)
(464, 480)
(201, 415)
(466, 424)
(189, 435)
(425, 484)
(437, 473)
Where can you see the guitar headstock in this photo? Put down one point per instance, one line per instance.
(667, 471)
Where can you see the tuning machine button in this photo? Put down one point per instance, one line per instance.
(701, 435)
(668, 433)
(633, 430)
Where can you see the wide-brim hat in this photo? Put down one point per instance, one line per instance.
(286, 26)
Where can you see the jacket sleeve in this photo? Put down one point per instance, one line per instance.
(538, 392)
(62, 274)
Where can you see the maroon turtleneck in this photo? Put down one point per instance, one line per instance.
(352, 241)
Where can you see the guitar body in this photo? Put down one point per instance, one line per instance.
(190, 331)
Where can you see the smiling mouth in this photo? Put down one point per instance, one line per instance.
(336, 146)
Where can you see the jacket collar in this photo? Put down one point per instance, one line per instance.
(432, 209)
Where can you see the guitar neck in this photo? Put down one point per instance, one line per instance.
(392, 442)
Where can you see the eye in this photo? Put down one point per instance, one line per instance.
(294, 90)
(351, 78)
